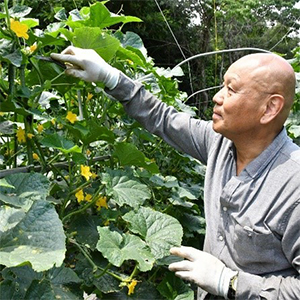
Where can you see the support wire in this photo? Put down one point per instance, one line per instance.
(176, 41)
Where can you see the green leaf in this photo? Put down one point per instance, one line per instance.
(24, 283)
(118, 247)
(167, 181)
(173, 288)
(124, 53)
(30, 22)
(19, 11)
(105, 283)
(37, 237)
(25, 189)
(40, 290)
(96, 132)
(4, 183)
(125, 189)
(160, 231)
(295, 130)
(132, 40)
(85, 227)
(7, 127)
(61, 14)
(129, 155)
(93, 38)
(10, 217)
(193, 223)
(9, 54)
(16, 282)
(59, 142)
(101, 17)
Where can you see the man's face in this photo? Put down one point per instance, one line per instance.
(239, 105)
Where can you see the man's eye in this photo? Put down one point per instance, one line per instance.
(230, 89)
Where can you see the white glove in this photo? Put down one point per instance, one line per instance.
(87, 65)
(207, 271)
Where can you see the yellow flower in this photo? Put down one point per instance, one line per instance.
(89, 97)
(40, 128)
(35, 156)
(30, 135)
(94, 175)
(19, 29)
(101, 202)
(33, 47)
(21, 135)
(131, 286)
(53, 121)
(72, 118)
(88, 197)
(79, 196)
(85, 172)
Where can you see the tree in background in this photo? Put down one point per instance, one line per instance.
(201, 26)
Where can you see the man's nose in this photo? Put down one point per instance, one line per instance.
(219, 96)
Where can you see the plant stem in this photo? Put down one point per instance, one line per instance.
(7, 13)
(15, 143)
(95, 267)
(85, 207)
(11, 80)
(134, 272)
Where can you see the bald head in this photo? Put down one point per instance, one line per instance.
(273, 73)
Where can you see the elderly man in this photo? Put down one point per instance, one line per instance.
(252, 183)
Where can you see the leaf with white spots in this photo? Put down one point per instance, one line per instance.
(36, 237)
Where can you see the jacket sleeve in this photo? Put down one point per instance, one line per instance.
(178, 129)
(277, 286)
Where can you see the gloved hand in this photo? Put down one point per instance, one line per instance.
(87, 65)
(207, 271)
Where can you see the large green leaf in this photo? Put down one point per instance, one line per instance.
(125, 189)
(91, 132)
(23, 283)
(160, 231)
(129, 155)
(85, 227)
(118, 247)
(25, 189)
(16, 282)
(57, 141)
(37, 237)
(93, 38)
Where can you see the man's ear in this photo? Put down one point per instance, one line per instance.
(274, 106)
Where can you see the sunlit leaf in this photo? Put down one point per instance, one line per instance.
(125, 189)
(57, 141)
(25, 188)
(129, 155)
(118, 247)
(160, 231)
(93, 38)
(37, 238)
